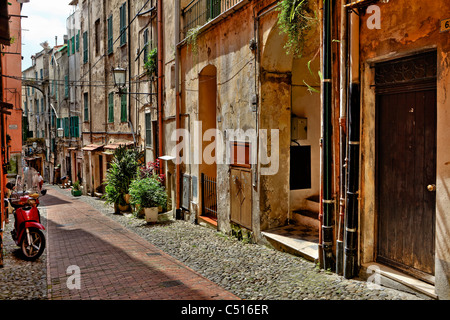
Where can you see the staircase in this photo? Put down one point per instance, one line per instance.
(309, 216)
(301, 237)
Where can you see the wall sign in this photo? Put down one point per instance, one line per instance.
(445, 25)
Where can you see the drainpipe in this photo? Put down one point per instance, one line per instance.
(160, 76)
(342, 136)
(327, 147)
(351, 210)
(177, 107)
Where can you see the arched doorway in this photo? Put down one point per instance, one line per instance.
(207, 106)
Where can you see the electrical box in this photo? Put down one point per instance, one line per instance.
(299, 128)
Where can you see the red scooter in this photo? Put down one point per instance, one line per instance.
(27, 233)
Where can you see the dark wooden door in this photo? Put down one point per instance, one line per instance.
(406, 164)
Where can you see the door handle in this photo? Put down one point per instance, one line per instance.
(431, 187)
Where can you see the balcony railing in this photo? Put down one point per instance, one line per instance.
(199, 12)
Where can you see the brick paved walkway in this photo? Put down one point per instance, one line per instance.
(114, 263)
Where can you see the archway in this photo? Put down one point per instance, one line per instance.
(207, 106)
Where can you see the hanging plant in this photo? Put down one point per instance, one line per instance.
(191, 39)
(295, 19)
(151, 65)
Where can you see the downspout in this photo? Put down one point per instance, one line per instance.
(351, 210)
(342, 136)
(177, 107)
(90, 74)
(130, 123)
(160, 77)
(327, 147)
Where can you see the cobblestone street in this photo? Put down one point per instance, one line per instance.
(85, 232)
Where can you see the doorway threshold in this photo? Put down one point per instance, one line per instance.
(297, 240)
(401, 281)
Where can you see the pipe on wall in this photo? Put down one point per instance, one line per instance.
(352, 203)
(343, 56)
(327, 144)
(177, 102)
(159, 22)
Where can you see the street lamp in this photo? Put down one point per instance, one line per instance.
(119, 75)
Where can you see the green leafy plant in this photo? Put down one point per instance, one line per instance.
(122, 171)
(191, 39)
(295, 19)
(148, 192)
(151, 64)
(76, 186)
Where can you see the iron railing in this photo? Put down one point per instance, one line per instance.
(198, 12)
(209, 197)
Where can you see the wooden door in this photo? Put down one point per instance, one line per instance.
(241, 197)
(406, 164)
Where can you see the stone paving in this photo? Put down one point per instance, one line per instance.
(121, 257)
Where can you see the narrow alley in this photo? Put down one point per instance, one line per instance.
(123, 258)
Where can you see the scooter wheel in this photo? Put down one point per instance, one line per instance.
(34, 250)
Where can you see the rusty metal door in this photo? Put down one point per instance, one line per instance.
(241, 197)
(406, 164)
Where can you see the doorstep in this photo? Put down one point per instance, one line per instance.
(297, 240)
(408, 281)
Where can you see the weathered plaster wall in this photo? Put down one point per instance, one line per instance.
(225, 46)
(406, 28)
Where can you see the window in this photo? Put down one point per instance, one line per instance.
(66, 86)
(72, 45)
(74, 127)
(123, 25)
(110, 35)
(36, 75)
(77, 41)
(145, 45)
(58, 123)
(42, 74)
(36, 110)
(97, 37)
(86, 106)
(66, 127)
(42, 105)
(111, 107)
(43, 134)
(148, 129)
(85, 47)
(25, 109)
(123, 108)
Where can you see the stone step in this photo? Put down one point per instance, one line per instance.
(313, 204)
(296, 240)
(306, 218)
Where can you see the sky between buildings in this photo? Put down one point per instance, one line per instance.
(46, 20)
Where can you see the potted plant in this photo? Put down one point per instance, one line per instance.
(76, 191)
(119, 176)
(147, 195)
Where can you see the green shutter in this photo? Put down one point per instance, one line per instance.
(77, 41)
(110, 35)
(111, 107)
(148, 129)
(66, 86)
(66, 127)
(123, 19)
(68, 47)
(73, 45)
(123, 108)
(85, 47)
(86, 107)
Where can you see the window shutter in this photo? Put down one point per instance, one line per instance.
(110, 35)
(77, 41)
(66, 127)
(111, 107)
(85, 47)
(123, 108)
